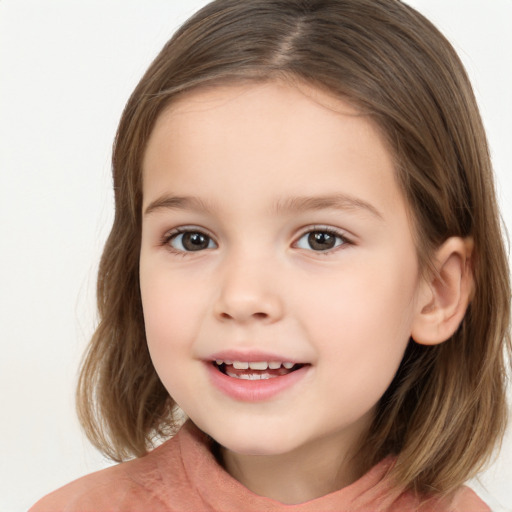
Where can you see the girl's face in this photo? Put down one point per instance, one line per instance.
(274, 232)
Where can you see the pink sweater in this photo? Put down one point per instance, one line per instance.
(183, 475)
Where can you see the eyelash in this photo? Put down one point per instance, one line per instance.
(327, 231)
(166, 239)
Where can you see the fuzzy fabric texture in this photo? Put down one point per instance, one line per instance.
(183, 475)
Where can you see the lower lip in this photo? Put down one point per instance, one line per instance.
(254, 390)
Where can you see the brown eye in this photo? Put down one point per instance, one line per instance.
(189, 241)
(320, 240)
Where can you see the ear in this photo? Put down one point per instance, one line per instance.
(444, 296)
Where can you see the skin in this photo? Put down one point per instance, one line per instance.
(259, 285)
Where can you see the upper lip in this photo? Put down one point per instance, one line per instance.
(251, 356)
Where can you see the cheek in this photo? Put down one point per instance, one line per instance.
(171, 309)
(363, 298)
(171, 319)
(362, 321)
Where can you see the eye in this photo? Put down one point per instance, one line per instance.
(188, 241)
(321, 240)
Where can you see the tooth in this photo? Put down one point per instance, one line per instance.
(227, 361)
(288, 366)
(219, 362)
(254, 376)
(258, 366)
(239, 365)
(250, 376)
(274, 365)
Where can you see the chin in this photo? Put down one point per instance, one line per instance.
(253, 442)
(255, 449)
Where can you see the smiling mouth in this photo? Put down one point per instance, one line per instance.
(261, 370)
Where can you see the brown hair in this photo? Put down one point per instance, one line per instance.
(446, 408)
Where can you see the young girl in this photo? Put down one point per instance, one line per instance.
(306, 263)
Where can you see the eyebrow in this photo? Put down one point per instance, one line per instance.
(178, 203)
(288, 205)
(335, 201)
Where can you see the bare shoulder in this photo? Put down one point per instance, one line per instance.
(129, 486)
(467, 500)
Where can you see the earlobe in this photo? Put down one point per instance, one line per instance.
(445, 296)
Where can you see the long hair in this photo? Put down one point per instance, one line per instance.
(445, 409)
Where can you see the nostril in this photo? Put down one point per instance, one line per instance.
(258, 316)
(247, 307)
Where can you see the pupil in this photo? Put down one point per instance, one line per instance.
(195, 241)
(321, 241)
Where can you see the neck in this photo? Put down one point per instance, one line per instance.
(309, 472)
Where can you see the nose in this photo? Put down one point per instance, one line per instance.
(248, 292)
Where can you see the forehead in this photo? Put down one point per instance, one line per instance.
(286, 88)
(288, 138)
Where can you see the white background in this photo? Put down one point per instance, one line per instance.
(66, 69)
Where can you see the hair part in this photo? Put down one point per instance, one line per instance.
(445, 409)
